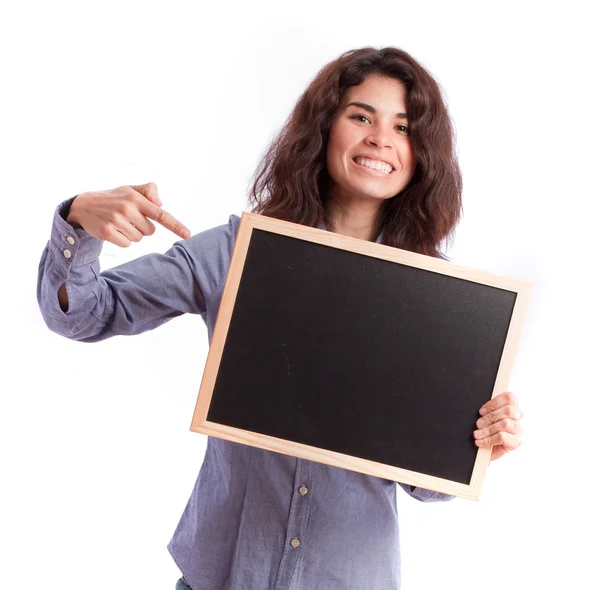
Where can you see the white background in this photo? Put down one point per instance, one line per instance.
(97, 461)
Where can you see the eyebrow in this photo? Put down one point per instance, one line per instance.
(371, 109)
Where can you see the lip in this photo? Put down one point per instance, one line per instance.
(372, 171)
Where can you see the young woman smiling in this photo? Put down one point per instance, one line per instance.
(368, 151)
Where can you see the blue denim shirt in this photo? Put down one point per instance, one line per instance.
(256, 519)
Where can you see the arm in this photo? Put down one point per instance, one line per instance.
(131, 298)
(424, 495)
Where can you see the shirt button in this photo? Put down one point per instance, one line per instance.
(67, 253)
(303, 490)
(71, 240)
(295, 543)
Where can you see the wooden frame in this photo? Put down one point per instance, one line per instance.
(248, 223)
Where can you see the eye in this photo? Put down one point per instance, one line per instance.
(358, 117)
(403, 128)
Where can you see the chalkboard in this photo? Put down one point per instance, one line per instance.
(358, 355)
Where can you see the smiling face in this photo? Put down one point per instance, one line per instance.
(366, 139)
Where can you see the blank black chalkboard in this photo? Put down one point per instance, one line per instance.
(346, 352)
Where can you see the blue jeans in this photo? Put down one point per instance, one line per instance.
(182, 584)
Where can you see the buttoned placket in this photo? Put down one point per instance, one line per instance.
(296, 527)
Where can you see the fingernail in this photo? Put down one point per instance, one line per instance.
(483, 411)
(478, 433)
(480, 422)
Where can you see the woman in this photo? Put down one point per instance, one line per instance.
(368, 152)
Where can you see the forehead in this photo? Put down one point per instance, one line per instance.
(385, 94)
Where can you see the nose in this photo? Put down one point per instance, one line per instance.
(379, 137)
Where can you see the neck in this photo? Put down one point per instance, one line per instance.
(358, 220)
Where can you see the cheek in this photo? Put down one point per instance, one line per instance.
(335, 153)
(340, 138)
(408, 158)
(330, 160)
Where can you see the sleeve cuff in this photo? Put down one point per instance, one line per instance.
(71, 246)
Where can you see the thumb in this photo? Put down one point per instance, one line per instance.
(149, 190)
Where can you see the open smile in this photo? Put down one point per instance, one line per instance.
(372, 171)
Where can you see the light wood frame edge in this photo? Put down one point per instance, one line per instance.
(250, 221)
(295, 449)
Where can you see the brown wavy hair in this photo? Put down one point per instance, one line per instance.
(292, 182)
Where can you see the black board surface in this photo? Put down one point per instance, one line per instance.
(362, 356)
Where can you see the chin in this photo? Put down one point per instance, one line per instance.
(375, 196)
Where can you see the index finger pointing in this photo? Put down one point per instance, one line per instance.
(166, 220)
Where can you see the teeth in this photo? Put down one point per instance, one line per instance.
(381, 166)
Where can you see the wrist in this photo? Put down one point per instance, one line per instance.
(70, 213)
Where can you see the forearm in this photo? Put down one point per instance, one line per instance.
(131, 298)
(69, 263)
(424, 495)
(81, 303)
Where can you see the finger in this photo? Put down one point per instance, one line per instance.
(506, 425)
(117, 238)
(509, 411)
(508, 441)
(165, 219)
(128, 229)
(502, 399)
(142, 223)
(149, 190)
